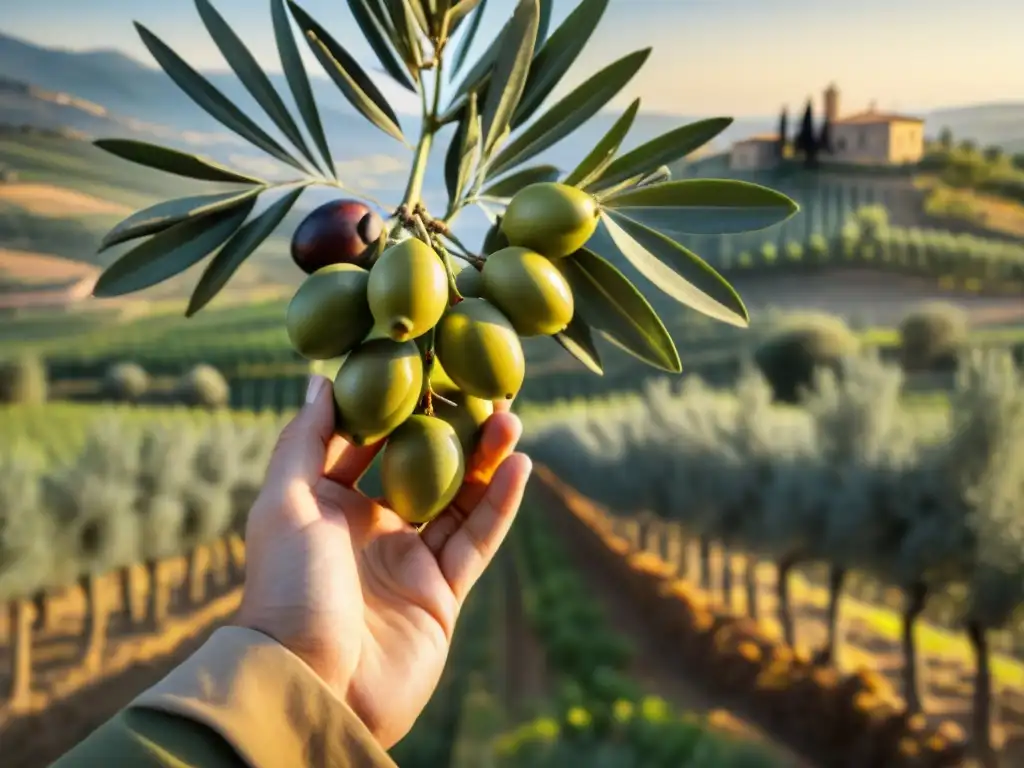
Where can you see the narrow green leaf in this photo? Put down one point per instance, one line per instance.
(458, 12)
(405, 35)
(298, 81)
(571, 112)
(419, 14)
(170, 252)
(453, 161)
(577, 340)
(662, 150)
(544, 21)
(601, 155)
(241, 245)
(173, 161)
(199, 89)
(467, 39)
(508, 186)
(470, 153)
(557, 55)
(350, 78)
(677, 271)
(377, 37)
(609, 303)
(704, 206)
(509, 76)
(163, 215)
(251, 75)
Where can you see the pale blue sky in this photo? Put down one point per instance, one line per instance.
(735, 57)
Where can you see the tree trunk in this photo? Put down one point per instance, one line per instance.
(95, 628)
(750, 581)
(19, 614)
(785, 608)
(156, 609)
(44, 617)
(836, 579)
(705, 562)
(726, 578)
(981, 716)
(126, 582)
(916, 595)
(675, 549)
(220, 565)
(196, 576)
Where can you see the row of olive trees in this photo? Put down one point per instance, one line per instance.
(851, 480)
(137, 494)
(868, 240)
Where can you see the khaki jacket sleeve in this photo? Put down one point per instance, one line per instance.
(241, 701)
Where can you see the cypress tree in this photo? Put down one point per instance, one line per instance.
(783, 132)
(806, 141)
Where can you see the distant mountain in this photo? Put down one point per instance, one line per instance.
(999, 124)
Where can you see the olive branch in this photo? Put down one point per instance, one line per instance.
(499, 109)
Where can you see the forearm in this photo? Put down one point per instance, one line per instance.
(240, 700)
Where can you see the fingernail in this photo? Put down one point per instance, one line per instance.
(316, 386)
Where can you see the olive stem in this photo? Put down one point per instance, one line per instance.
(414, 189)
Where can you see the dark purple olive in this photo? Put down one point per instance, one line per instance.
(338, 232)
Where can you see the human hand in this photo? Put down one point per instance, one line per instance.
(357, 593)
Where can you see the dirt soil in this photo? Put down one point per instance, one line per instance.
(657, 668)
(68, 702)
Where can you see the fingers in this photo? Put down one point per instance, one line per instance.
(470, 549)
(498, 440)
(301, 448)
(347, 463)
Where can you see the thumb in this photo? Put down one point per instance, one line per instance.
(301, 449)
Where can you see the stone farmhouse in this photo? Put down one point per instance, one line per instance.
(864, 138)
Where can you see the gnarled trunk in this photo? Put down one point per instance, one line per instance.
(981, 715)
(750, 583)
(916, 596)
(220, 565)
(94, 630)
(196, 576)
(836, 579)
(44, 617)
(726, 580)
(159, 597)
(705, 562)
(19, 613)
(785, 565)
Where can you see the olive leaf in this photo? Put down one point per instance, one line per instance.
(703, 206)
(170, 252)
(557, 54)
(166, 214)
(570, 113)
(377, 36)
(241, 245)
(578, 341)
(298, 80)
(173, 161)
(544, 21)
(467, 39)
(601, 155)
(350, 78)
(471, 147)
(203, 93)
(508, 186)
(459, 11)
(419, 14)
(609, 303)
(661, 150)
(508, 78)
(251, 75)
(675, 270)
(453, 161)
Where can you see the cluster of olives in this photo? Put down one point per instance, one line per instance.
(372, 306)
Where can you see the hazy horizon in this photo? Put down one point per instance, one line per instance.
(751, 58)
